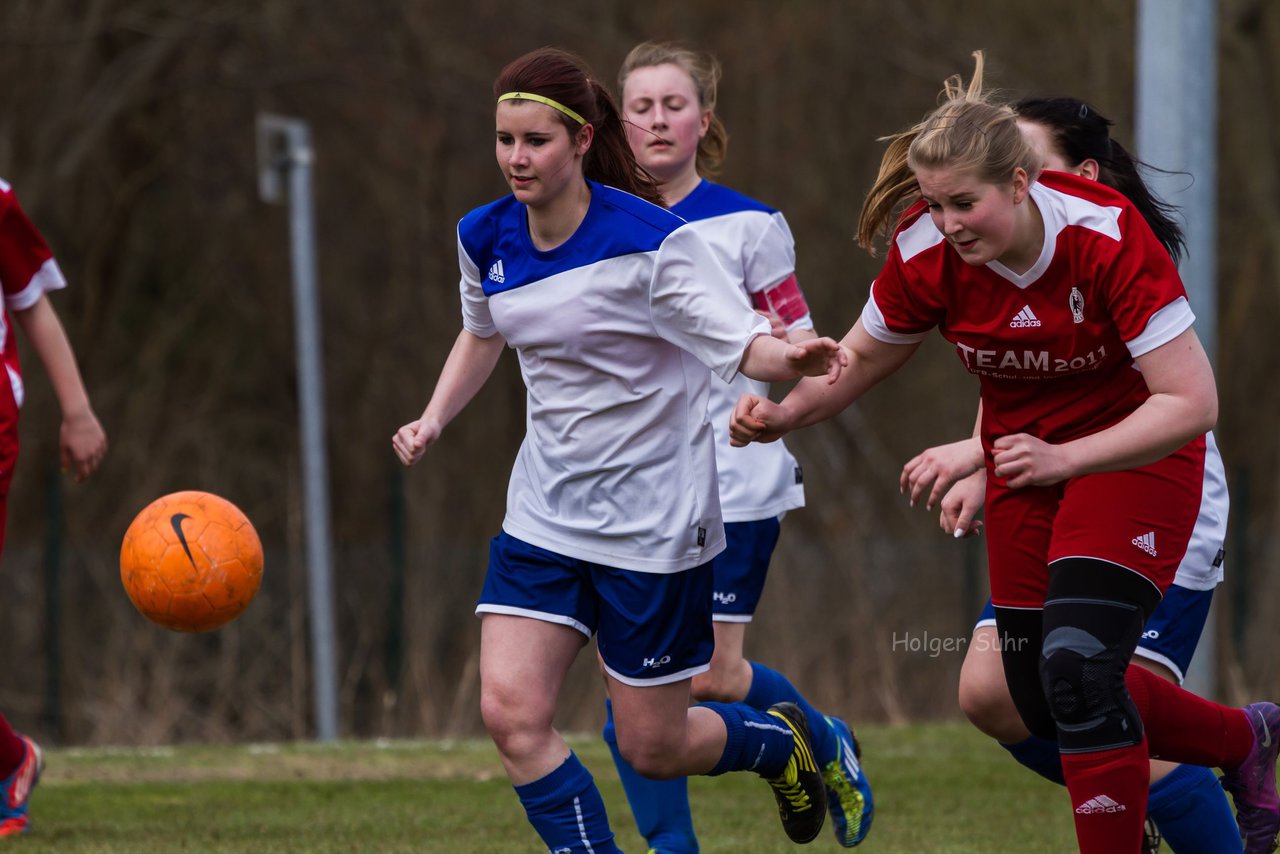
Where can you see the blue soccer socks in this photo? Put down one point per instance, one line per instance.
(566, 810)
(769, 687)
(1040, 755)
(754, 740)
(1191, 810)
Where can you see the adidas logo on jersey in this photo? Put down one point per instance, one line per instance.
(1100, 804)
(496, 274)
(1024, 319)
(1146, 542)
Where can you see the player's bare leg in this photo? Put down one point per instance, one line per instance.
(523, 663)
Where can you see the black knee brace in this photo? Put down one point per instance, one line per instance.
(1093, 619)
(1020, 634)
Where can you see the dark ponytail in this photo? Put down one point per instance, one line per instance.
(1081, 133)
(564, 78)
(1121, 171)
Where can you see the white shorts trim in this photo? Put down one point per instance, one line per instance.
(687, 673)
(1160, 659)
(544, 616)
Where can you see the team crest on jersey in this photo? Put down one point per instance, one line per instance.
(495, 272)
(1075, 301)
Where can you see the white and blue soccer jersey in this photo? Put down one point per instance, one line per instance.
(615, 330)
(755, 245)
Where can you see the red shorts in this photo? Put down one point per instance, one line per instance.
(1139, 520)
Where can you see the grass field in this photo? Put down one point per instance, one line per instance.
(939, 788)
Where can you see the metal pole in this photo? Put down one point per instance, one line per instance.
(284, 150)
(1176, 123)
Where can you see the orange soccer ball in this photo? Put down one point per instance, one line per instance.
(191, 562)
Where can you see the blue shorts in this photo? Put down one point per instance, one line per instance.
(651, 628)
(1170, 636)
(741, 569)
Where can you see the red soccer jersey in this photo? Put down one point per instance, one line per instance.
(1052, 347)
(27, 270)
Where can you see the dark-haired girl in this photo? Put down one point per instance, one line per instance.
(619, 314)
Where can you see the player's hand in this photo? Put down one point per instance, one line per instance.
(818, 356)
(935, 470)
(962, 503)
(411, 441)
(82, 444)
(777, 328)
(1023, 460)
(755, 419)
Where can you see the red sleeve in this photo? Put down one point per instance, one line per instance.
(908, 293)
(23, 257)
(1138, 276)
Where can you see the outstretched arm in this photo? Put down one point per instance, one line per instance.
(82, 440)
(771, 359)
(470, 363)
(757, 419)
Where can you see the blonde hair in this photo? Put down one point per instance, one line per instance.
(968, 131)
(704, 70)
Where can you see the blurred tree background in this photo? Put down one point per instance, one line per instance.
(127, 129)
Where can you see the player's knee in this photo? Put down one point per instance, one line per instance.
(977, 700)
(1083, 681)
(498, 718)
(511, 722)
(989, 708)
(651, 757)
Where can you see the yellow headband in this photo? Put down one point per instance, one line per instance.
(555, 105)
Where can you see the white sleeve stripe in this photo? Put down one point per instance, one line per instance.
(1165, 325)
(476, 318)
(1101, 219)
(873, 321)
(917, 237)
(48, 278)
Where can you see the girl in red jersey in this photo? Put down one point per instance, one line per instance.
(1186, 804)
(27, 273)
(1097, 396)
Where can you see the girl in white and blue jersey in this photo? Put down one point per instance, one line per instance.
(668, 102)
(619, 314)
